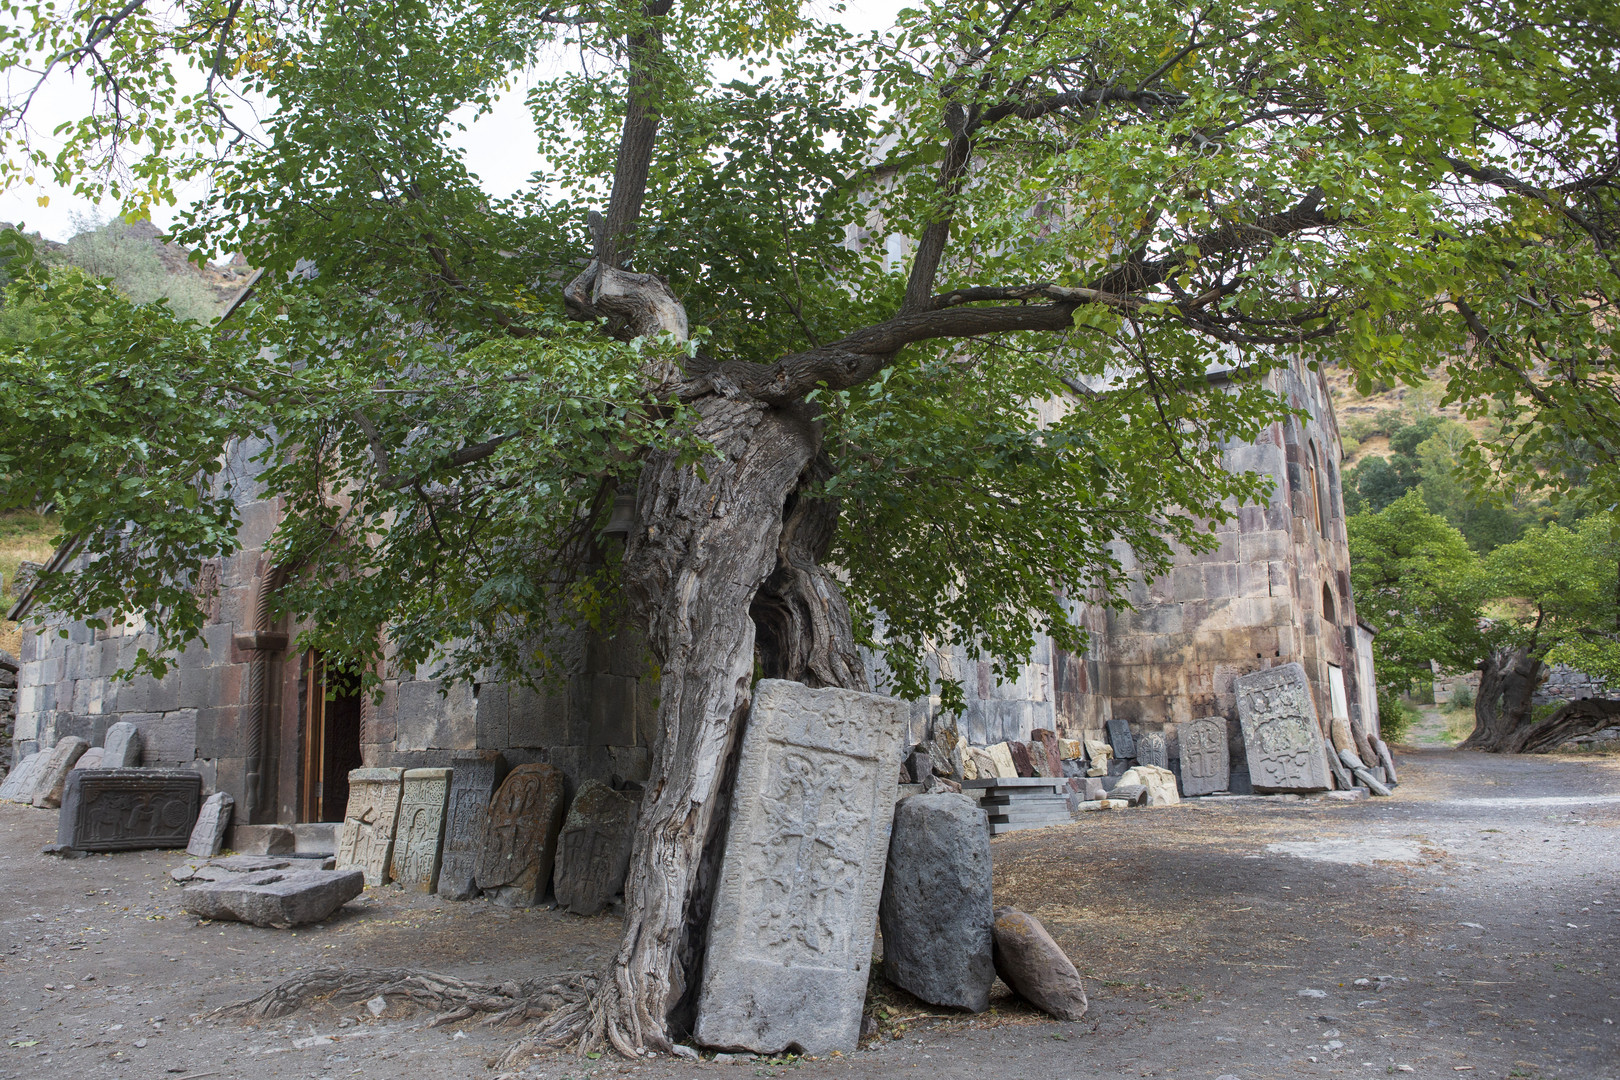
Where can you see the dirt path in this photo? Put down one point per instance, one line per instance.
(1469, 929)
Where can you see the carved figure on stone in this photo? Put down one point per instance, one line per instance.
(475, 776)
(121, 749)
(1281, 736)
(1205, 760)
(593, 849)
(128, 809)
(19, 783)
(418, 839)
(1119, 734)
(520, 836)
(367, 839)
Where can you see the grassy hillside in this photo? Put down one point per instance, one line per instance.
(24, 536)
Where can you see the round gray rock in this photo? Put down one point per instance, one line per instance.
(936, 912)
(1029, 961)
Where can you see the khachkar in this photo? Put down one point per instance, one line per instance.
(128, 809)
(790, 936)
(367, 840)
(1281, 737)
(475, 776)
(420, 833)
(1206, 764)
(520, 836)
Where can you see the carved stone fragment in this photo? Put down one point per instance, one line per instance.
(1119, 734)
(593, 849)
(1151, 750)
(474, 778)
(1206, 764)
(1023, 760)
(420, 833)
(92, 758)
(1044, 747)
(367, 839)
(1281, 736)
(278, 898)
(53, 773)
(790, 936)
(128, 809)
(122, 746)
(208, 835)
(1001, 758)
(520, 837)
(19, 782)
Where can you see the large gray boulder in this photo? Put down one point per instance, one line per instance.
(936, 912)
(278, 898)
(1037, 970)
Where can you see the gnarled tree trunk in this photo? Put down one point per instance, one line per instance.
(1573, 720)
(1507, 682)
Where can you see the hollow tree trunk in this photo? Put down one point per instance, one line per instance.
(1503, 708)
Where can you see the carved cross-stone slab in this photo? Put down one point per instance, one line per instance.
(1119, 734)
(367, 839)
(1281, 736)
(790, 936)
(475, 776)
(122, 746)
(421, 828)
(54, 772)
(209, 834)
(593, 849)
(520, 836)
(1151, 749)
(128, 809)
(19, 782)
(1205, 762)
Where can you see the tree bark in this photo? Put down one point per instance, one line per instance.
(1575, 719)
(1507, 682)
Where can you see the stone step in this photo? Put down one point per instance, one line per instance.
(1000, 829)
(1045, 799)
(1021, 819)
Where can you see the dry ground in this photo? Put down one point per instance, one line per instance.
(1487, 948)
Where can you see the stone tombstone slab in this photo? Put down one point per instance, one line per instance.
(1151, 750)
(92, 758)
(419, 837)
(1281, 737)
(122, 746)
(593, 849)
(520, 836)
(1001, 757)
(1023, 760)
(790, 936)
(1205, 762)
(128, 809)
(367, 839)
(474, 778)
(1119, 735)
(208, 836)
(53, 774)
(1044, 746)
(19, 782)
(280, 898)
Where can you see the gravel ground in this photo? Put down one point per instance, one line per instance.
(1465, 928)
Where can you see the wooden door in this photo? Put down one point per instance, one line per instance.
(331, 740)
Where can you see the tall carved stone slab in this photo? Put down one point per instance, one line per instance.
(128, 809)
(19, 782)
(1206, 764)
(790, 937)
(474, 778)
(520, 837)
(1119, 734)
(367, 839)
(122, 746)
(53, 774)
(208, 836)
(1281, 737)
(593, 849)
(418, 839)
(1151, 749)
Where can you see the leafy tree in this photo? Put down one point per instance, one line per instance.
(799, 328)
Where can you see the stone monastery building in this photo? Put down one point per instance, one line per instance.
(253, 716)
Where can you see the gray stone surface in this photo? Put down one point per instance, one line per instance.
(208, 835)
(593, 849)
(1119, 735)
(474, 779)
(1281, 736)
(419, 836)
(1037, 970)
(936, 912)
(19, 782)
(1152, 750)
(91, 759)
(1341, 775)
(280, 898)
(520, 837)
(1206, 764)
(790, 935)
(53, 773)
(122, 746)
(367, 840)
(128, 809)
(1387, 758)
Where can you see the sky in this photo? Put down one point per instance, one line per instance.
(501, 146)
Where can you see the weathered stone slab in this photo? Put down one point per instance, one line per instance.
(1160, 784)
(1281, 736)
(208, 835)
(593, 849)
(367, 840)
(1206, 764)
(128, 809)
(1099, 754)
(1387, 758)
(1071, 749)
(474, 779)
(91, 759)
(790, 936)
(1035, 967)
(121, 749)
(520, 837)
(936, 912)
(1119, 734)
(1044, 746)
(53, 773)
(419, 837)
(1023, 760)
(1001, 760)
(1152, 750)
(19, 782)
(278, 898)
(1341, 775)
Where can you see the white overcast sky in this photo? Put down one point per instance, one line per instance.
(501, 147)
